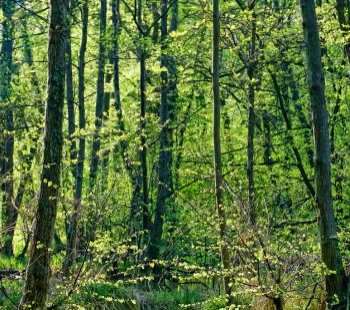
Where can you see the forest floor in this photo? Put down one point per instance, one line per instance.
(104, 294)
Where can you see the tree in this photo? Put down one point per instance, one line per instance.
(6, 54)
(165, 151)
(72, 237)
(219, 191)
(336, 282)
(96, 144)
(38, 270)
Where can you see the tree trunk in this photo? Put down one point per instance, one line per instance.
(96, 144)
(344, 26)
(165, 152)
(100, 94)
(134, 173)
(71, 113)
(38, 270)
(70, 94)
(106, 106)
(251, 125)
(143, 140)
(335, 282)
(219, 194)
(72, 241)
(9, 211)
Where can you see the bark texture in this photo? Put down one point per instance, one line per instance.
(219, 194)
(72, 240)
(100, 94)
(251, 124)
(165, 152)
(38, 270)
(9, 210)
(335, 282)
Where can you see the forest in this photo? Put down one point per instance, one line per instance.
(175, 154)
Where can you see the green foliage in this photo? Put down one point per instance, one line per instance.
(281, 255)
(13, 291)
(11, 263)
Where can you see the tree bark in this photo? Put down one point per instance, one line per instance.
(72, 240)
(219, 194)
(335, 282)
(70, 93)
(100, 94)
(96, 144)
(9, 210)
(344, 26)
(134, 172)
(165, 152)
(71, 110)
(38, 270)
(251, 125)
(143, 136)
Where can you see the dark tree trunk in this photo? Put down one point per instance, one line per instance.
(219, 193)
(71, 113)
(100, 94)
(70, 95)
(9, 210)
(267, 138)
(135, 172)
(278, 301)
(251, 125)
(143, 179)
(165, 152)
(336, 283)
(72, 240)
(344, 26)
(38, 270)
(106, 105)
(155, 13)
(96, 144)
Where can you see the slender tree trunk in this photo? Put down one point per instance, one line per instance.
(143, 140)
(137, 174)
(267, 138)
(165, 152)
(155, 13)
(71, 112)
(96, 144)
(172, 99)
(335, 282)
(143, 179)
(9, 211)
(100, 94)
(106, 106)
(219, 194)
(251, 125)
(344, 26)
(70, 94)
(72, 241)
(38, 270)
